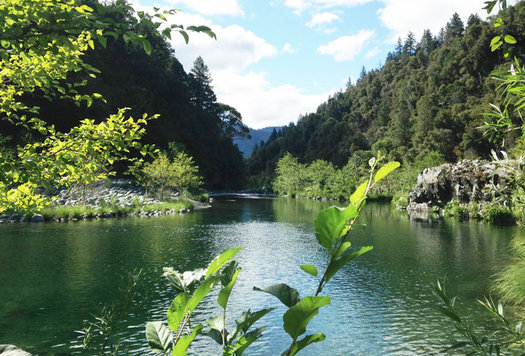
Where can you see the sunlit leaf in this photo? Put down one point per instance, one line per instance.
(330, 223)
(386, 170)
(177, 310)
(310, 269)
(218, 262)
(181, 348)
(359, 193)
(160, 338)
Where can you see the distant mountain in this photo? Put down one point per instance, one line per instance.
(257, 135)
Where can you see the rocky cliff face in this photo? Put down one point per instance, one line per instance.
(466, 182)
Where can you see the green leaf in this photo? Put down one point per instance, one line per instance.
(228, 273)
(201, 292)
(159, 337)
(286, 294)
(336, 264)
(246, 340)
(344, 246)
(310, 269)
(359, 193)
(177, 310)
(297, 317)
(219, 261)
(181, 348)
(386, 170)
(225, 292)
(489, 5)
(185, 35)
(216, 325)
(247, 319)
(495, 40)
(510, 40)
(330, 222)
(307, 340)
(147, 46)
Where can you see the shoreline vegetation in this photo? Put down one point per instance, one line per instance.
(106, 200)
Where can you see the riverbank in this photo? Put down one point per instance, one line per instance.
(106, 200)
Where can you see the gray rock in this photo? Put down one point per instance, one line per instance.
(466, 181)
(12, 350)
(15, 217)
(37, 218)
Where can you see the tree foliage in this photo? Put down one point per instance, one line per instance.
(428, 96)
(163, 173)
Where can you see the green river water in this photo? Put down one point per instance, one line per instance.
(54, 276)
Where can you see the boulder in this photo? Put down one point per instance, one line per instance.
(466, 182)
(12, 350)
(37, 218)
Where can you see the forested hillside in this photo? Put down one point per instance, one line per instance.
(429, 96)
(190, 115)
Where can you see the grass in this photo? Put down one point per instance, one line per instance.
(175, 205)
(509, 283)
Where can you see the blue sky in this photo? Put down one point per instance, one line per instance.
(275, 60)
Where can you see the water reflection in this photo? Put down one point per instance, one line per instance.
(53, 276)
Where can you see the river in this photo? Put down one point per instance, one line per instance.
(55, 276)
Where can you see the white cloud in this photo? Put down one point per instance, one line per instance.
(234, 50)
(372, 53)
(402, 16)
(301, 5)
(347, 47)
(322, 18)
(287, 48)
(260, 103)
(211, 7)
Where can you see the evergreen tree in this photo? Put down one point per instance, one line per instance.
(410, 45)
(202, 92)
(455, 28)
(427, 44)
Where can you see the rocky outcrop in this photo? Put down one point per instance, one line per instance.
(466, 182)
(11, 350)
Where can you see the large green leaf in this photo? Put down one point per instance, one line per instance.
(225, 292)
(159, 337)
(305, 341)
(181, 348)
(219, 261)
(297, 317)
(339, 263)
(386, 170)
(287, 295)
(331, 222)
(177, 310)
